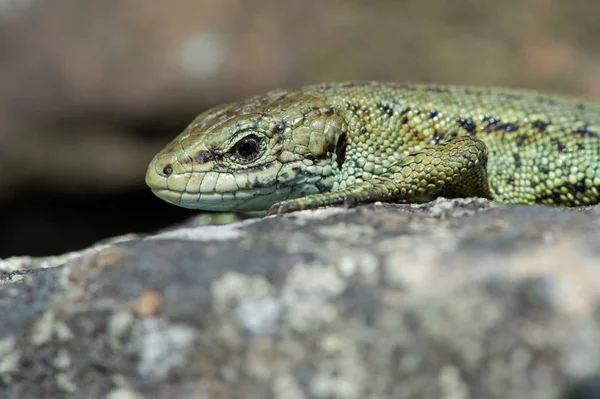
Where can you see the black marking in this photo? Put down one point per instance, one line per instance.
(404, 116)
(327, 111)
(510, 127)
(510, 180)
(521, 139)
(340, 150)
(386, 109)
(495, 124)
(491, 123)
(552, 197)
(585, 132)
(518, 161)
(203, 157)
(439, 136)
(353, 107)
(541, 125)
(279, 128)
(577, 188)
(433, 114)
(560, 146)
(467, 124)
(580, 146)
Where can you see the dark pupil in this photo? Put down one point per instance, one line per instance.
(247, 147)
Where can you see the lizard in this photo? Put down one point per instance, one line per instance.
(359, 142)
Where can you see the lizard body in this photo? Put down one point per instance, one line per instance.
(357, 142)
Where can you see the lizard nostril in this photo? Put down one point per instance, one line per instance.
(168, 170)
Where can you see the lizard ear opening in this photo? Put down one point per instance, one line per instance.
(340, 150)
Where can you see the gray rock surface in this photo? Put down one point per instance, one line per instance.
(449, 299)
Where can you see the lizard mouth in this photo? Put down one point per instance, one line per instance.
(253, 198)
(243, 200)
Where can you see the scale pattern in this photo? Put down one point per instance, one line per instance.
(357, 142)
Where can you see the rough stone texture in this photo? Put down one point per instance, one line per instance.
(450, 299)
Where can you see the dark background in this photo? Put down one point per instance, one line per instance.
(90, 90)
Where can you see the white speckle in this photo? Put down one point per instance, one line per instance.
(306, 296)
(42, 329)
(123, 393)
(233, 287)
(360, 263)
(65, 382)
(62, 360)
(63, 332)
(285, 386)
(205, 233)
(202, 55)
(259, 316)
(118, 325)
(161, 347)
(9, 357)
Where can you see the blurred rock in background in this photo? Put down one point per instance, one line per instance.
(90, 90)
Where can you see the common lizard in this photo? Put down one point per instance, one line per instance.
(358, 142)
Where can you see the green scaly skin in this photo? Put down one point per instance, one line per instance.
(358, 142)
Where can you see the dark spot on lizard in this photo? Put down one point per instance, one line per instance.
(495, 124)
(585, 132)
(510, 180)
(438, 137)
(577, 188)
(552, 197)
(541, 125)
(544, 170)
(560, 146)
(203, 157)
(521, 139)
(517, 158)
(509, 127)
(404, 116)
(433, 114)
(353, 107)
(467, 124)
(327, 111)
(386, 109)
(279, 128)
(340, 150)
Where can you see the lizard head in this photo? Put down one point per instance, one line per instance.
(248, 155)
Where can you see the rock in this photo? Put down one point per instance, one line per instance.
(454, 298)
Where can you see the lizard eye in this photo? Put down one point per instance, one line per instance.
(247, 149)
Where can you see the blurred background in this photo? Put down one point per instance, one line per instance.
(91, 89)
